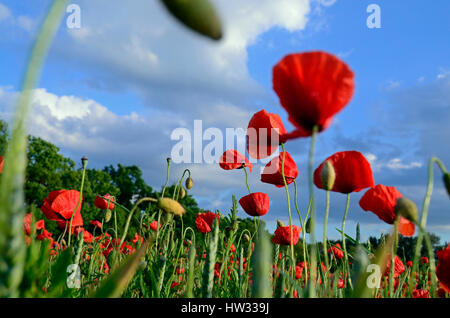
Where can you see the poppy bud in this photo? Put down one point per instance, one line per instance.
(189, 183)
(108, 215)
(182, 193)
(407, 209)
(171, 206)
(199, 16)
(280, 224)
(84, 161)
(447, 181)
(308, 226)
(247, 238)
(168, 160)
(328, 175)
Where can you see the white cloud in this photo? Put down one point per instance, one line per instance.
(392, 164)
(5, 13)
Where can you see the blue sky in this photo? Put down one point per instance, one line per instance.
(115, 89)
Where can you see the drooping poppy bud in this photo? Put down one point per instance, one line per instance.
(407, 209)
(189, 183)
(108, 214)
(308, 226)
(182, 193)
(255, 204)
(199, 16)
(280, 223)
(328, 175)
(447, 182)
(171, 206)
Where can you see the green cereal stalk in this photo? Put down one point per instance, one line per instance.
(208, 273)
(262, 267)
(12, 247)
(191, 273)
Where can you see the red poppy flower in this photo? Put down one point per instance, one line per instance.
(282, 235)
(353, 172)
(424, 260)
(381, 200)
(232, 159)
(336, 251)
(443, 268)
(420, 293)
(44, 235)
(96, 224)
(204, 221)
(60, 205)
(154, 225)
(137, 239)
(298, 272)
(27, 224)
(272, 172)
(265, 132)
(255, 204)
(102, 203)
(399, 268)
(2, 162)
(312, 88)
(409, 263)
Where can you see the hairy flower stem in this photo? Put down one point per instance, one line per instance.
(393, 253)
(313, 267)
(289, 210)
(423, 222)
(246, 179)
(327, 210)
(79, 200)
(344, 245)
(303, 228)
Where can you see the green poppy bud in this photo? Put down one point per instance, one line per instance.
(171, 206)
(328, 176)
(308, 226)
(447, 182)
(108, 215)
(182, 193)
(280, 224)
(407, 209)
(246, 237)
(189, 183)
(198, 15)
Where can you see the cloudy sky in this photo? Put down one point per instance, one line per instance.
(116, 88)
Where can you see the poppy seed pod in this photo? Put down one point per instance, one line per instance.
(182, 193)
(447, 182)
(406, 208)
(189, 183)
(308, 226)
(171, 206)
(108, 215)
(328, 175)
(280, 224)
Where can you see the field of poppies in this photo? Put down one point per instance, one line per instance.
(163, 251)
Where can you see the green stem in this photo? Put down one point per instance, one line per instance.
(423, 220)
(313, 267)
(246, 180)
(79, 200)
(344, 245)
(393, 253)
(303, 227)
(325, 222)
(289, 210)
